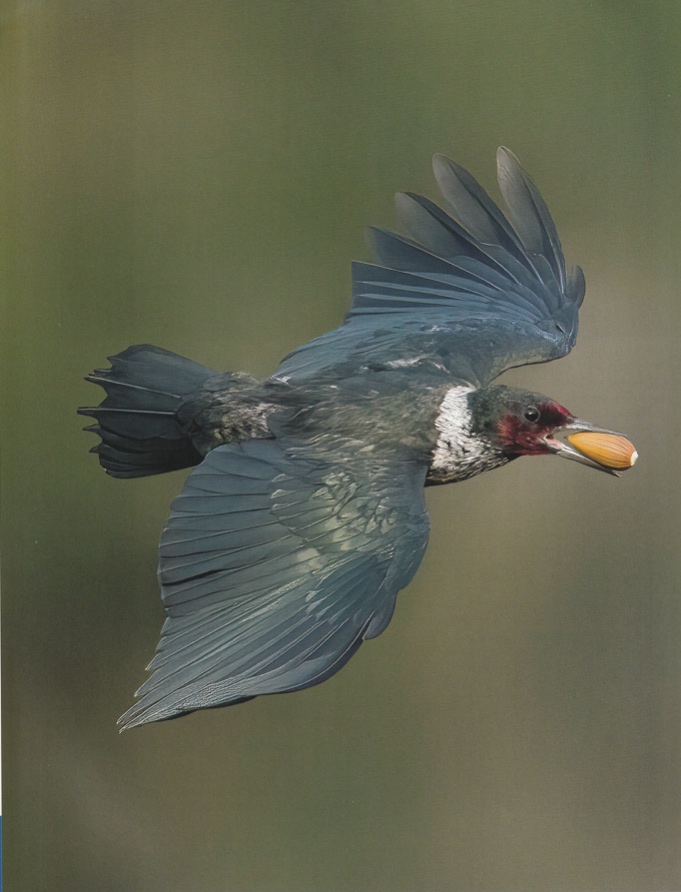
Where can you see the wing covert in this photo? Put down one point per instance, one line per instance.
(274, 566)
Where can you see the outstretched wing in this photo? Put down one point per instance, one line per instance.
(467, 290)
(275, 565)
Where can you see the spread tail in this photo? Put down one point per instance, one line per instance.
(137, 421)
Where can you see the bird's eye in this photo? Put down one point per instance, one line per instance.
(531, 414)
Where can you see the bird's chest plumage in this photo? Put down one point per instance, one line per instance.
(460, 452)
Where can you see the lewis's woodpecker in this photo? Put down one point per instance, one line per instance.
(305, 514)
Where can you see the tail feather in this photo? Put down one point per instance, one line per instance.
(138, 424)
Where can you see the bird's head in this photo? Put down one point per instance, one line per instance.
(478, 430)
(517, 422)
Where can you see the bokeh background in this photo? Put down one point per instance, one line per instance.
(198, 176)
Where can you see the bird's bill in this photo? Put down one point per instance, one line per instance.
(593, 446)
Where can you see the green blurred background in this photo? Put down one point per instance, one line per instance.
(198, 176)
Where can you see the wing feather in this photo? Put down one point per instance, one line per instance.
(283, 601)
(529, 215)
(467, 290)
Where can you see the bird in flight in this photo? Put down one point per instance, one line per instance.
(305, 514)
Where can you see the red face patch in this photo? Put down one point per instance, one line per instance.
(523, 433)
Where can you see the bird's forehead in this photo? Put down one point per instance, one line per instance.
(551, 416)
(553, 413)
(515, 400)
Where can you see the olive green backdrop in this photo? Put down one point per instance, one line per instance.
(198, 175)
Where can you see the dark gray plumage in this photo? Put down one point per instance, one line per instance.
(306, 516)
(465, 293)
(271, 574)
